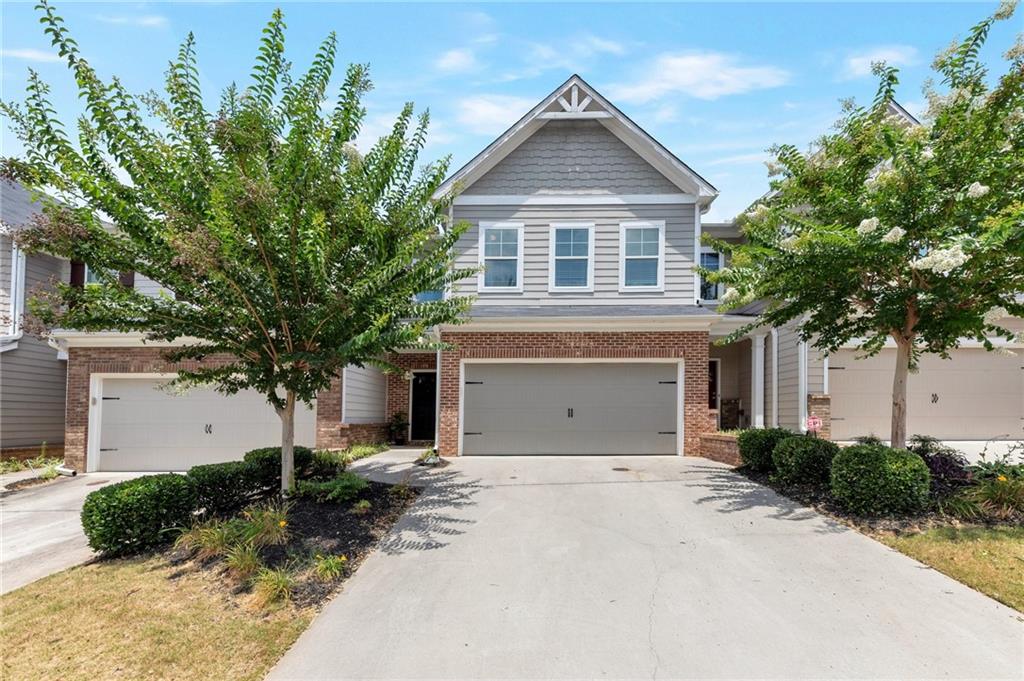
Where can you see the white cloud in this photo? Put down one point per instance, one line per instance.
(571, 55)
(458, 60)
(29, 54)
(491, 114)
(706, 75)
(592, 44)
(143, 21)
(665, 114)
(858, 64)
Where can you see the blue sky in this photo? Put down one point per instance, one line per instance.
(715, 83)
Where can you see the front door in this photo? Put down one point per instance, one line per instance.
(423, 411)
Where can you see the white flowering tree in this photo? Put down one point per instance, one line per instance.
(890, 231)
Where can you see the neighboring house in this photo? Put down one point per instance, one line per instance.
(32, 376)
(591, 332)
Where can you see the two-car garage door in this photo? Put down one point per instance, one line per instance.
(145, 428)
(568, 408)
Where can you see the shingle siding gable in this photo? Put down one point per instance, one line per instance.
(572, 157)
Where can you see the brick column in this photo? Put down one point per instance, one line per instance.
(821, 406)
(451, 387)
(329, 433)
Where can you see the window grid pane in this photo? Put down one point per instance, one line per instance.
(641, 272)
(501, 272)
(571, 272)
(709, 261)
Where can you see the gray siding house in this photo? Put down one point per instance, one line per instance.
(32, 375)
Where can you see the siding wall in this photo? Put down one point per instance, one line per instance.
(572, 157)
(32, 379)
(679, 249)
(365, 395)
(789, 375)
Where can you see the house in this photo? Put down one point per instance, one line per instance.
(32, 375)
(591, 332)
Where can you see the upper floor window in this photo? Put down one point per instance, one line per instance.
(501, 255)
(571, 264)
(642, 256)
(429, 296)
(710, 260)
(91, 276)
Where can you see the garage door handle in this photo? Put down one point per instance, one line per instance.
(111, 398)
(472, 433)
(666, 432)
(108, 449)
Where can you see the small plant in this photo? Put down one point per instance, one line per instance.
(49, 473)
(948, 467)
(341, 489)
(266, 524)
(401, 491)
(330, 568)
(242, 560)
(873, 480)
(1001, 465)
(960, 506)
(362, 507)
(757, 444)
(272, 586)
(397, 427)
(356, 452)
(999, 497)
(804, 459)
(868, 440)
(212, 538)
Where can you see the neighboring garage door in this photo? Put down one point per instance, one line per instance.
(976, 395)
(570, 409)
(143, 428)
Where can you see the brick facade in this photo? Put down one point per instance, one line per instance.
(331, 433)
(691, 346)
(720, 447)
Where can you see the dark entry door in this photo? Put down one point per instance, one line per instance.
(424, 406)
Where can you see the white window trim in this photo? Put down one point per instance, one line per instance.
(552, 258)
(17, 291)
(721, 261)
(481, 286)
(634, 224)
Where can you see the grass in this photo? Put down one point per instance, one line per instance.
(989, 559)
(139, 619)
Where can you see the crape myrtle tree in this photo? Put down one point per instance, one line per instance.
(889, 231)
(285, 253)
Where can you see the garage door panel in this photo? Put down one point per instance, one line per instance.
(524, 409)
(976, 395)
(146, 428)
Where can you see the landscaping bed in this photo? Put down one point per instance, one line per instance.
(926, 501)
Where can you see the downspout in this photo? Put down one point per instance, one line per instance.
(775, 378)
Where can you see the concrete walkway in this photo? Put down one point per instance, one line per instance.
(40, 528)
(639, 568)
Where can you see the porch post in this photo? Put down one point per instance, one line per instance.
(757, 381)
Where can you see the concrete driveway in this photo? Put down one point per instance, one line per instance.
(639, 568)
(40, 528)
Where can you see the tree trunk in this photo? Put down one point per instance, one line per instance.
(287, 444)
(898, 434)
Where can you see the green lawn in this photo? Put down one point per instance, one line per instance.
(989, 559)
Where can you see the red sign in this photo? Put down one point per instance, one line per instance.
(814, 423)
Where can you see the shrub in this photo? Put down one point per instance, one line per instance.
(801, 458)
(345, 487)
(329, 568)
(242, 561)
(223, 489)
(272, 586)
(327, 464)
(362, 507)
(757, 444)
(947, 466)
(878, 480)
(868, 440)
(137, 514)
(1002, 465)
(268, 464)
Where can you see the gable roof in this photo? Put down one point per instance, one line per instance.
(575, 99)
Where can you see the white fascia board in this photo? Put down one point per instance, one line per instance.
(687, 323)
(65, 338)
(967, 343)
(572, 199)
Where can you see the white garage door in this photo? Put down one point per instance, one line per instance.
(976, 395)
(143, 428)
(569, 409)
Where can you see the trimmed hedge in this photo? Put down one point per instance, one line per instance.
(223, 489)
(267, 461)
(802, 458)
(757, 444)
(878, 480)
(137, 514)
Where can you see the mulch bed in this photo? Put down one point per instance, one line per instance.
(819, 499)
(326, 529)
(23, 483)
